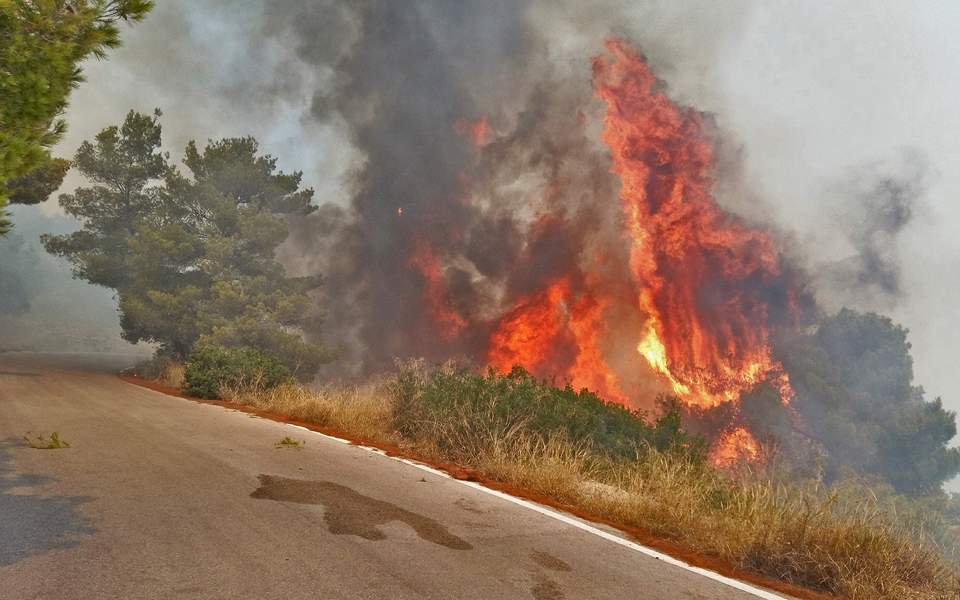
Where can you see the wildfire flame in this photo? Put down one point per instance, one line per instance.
(449, 322)
(737, 445)
(551, 331)
(700, 275)
(702, 291)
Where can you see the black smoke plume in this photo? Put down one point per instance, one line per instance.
(417, 87)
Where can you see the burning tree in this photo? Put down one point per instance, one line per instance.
(574, 232)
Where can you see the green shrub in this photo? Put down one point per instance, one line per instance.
(461, 409)
(213, 367)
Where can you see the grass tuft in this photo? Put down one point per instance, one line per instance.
(164, 371)
(54, 442)
(289, 442)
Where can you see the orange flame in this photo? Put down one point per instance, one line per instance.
(735, 446)
(449, 322)
(698, 293)
(589, 369)
(532, 332)
(700, 274)
(554, 333)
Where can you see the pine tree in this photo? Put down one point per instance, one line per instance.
(191, 256)
(42, 43)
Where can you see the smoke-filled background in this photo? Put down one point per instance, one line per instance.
(833, 124)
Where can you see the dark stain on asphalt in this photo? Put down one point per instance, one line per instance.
(33, 524)
(550, 562)
(546, 589)
(468, 506)
(190, 590)
(348, 512)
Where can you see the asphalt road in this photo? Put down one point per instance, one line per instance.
(160, 497)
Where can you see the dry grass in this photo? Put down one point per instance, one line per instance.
(164, 371)
(843, 539)
(54, 442)
(173, 375)
(360, 411)
(840, 539)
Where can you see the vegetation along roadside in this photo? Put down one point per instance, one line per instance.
(852, 537)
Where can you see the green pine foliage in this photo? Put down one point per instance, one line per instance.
(191, 255)
(856, 392)
(42, 44)
(38, 184)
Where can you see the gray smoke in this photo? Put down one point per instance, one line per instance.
(407, 82)
(41, 307)
(802, 95)
(16, 289)
(873, 205)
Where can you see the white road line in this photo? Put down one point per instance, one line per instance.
(734, 583)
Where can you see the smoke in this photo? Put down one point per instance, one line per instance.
(873, 205)
(41, 307)
(801, 96)
(407, 84)
(15, 289)
(403, 79)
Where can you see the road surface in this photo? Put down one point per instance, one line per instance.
(160, 497)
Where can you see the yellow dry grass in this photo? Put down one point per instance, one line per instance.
(359, 411)
(173, 375)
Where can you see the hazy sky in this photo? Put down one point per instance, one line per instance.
(812, 92)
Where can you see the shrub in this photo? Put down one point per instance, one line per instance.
(212, 367)
(462, 409)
